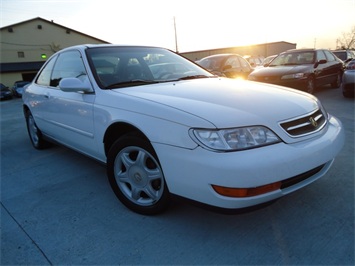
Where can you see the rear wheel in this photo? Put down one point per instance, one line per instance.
(136, 177)
(337, 82)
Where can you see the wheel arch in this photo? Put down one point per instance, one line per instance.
(117, 130)
(25, 110)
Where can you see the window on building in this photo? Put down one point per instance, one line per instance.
(20, 54)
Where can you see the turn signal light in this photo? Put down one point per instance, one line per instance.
(246, 192)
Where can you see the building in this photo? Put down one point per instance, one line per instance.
(25, 47)
(262, 50)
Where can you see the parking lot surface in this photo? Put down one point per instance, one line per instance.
(57, 208)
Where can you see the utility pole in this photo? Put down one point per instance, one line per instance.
(176, 43)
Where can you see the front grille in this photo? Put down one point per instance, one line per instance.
(299, 178)
(305, 125)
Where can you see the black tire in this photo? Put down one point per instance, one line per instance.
(336, 84)
(310, 85)
(136, 177)
(348, 94)
(35, 133)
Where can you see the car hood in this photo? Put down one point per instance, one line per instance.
(223, 102)
(281, 70)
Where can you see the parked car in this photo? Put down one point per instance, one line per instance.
(345, 55)
(225, 143)
(19, 87)
(303, 69)
(348, 82)
(5, 92)
(227, 65)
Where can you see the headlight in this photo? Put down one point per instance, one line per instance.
(234, 139)
(294, 76)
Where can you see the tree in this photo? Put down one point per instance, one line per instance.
(347, 39)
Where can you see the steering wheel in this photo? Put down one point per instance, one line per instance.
(164, 74)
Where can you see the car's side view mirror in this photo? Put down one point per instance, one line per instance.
(75, 85)
(227, 67)
(322, 61)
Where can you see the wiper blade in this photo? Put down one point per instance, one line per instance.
(129, 83)
(195, 77)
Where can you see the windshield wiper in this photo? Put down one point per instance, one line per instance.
(129, 83)
(195, 77)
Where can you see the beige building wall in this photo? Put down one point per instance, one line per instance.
(34, 41)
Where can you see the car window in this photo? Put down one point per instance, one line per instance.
(233, 62)
(340, 54)
(321, 55)
(68, 65)
(245, 65)
(329, 55)
(211, 63)
(45, 75)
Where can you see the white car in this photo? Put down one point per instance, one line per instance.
(225, 143)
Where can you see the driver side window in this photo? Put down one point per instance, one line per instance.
(321, 56)
(233, 62)
(68, 65)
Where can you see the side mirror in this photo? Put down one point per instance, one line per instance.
(227, 67)
(322, 61)
(75, 85)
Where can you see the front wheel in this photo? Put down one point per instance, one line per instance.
(310, 85)
(35, 133)
(136, 177)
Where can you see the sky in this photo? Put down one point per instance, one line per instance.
(193, 25)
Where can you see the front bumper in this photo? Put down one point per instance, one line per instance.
(191, 173)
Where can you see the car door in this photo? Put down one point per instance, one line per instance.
(333, 68)
(69, 115)
(321, 69)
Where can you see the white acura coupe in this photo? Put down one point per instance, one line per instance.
(179, 130)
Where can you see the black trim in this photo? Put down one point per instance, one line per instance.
(20, 67)
(299, 178)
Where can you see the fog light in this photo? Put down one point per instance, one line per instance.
(246, 192)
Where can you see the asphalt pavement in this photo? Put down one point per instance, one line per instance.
(57, 208)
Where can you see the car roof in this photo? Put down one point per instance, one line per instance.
(219, 55)
(89, 46)
(302, 50)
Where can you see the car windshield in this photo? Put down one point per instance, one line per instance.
(294, 58)
(120, 66)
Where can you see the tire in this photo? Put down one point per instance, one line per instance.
(136, 177)
(35, 133)
(348, 94)
(310, 85)
(336, 84)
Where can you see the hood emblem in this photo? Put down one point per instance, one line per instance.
(313, 122)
